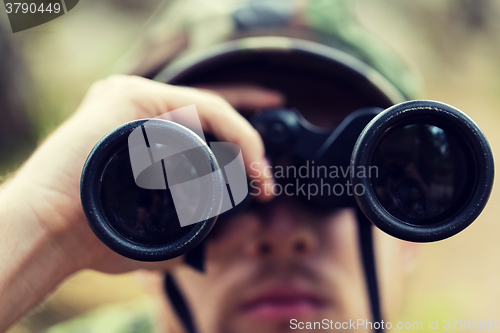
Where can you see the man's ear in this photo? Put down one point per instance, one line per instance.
(396, 261)
(393, 254)
(410, 254)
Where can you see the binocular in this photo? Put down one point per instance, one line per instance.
(420, 171)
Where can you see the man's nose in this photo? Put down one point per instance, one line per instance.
(284, 233)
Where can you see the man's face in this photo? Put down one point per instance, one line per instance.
(264, 269)
(284, 261)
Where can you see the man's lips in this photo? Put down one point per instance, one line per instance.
(283, 303)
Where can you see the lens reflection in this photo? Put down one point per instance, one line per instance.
(422, 172)
(140, 215)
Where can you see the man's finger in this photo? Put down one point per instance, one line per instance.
(247, 98)
(151, 99)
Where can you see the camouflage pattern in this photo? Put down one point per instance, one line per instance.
(180, 28)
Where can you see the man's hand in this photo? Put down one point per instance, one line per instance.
(44, 236)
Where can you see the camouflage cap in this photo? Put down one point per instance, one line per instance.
(183, 27)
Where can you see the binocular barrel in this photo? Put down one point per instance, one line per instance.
(420, 170)
(435, 171)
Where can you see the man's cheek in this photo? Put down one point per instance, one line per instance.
(232, 236)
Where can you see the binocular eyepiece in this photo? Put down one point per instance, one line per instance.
(420, 171)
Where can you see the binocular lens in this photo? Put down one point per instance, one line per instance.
(422, 172)
(143, 215)
(434, 171)
(151, 190)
